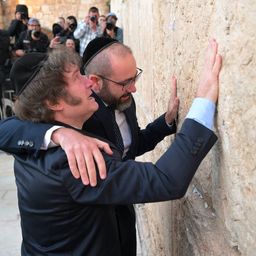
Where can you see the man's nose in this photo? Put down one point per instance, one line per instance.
(132, 88)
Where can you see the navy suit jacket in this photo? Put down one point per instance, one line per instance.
(18, 136)
(61, 216)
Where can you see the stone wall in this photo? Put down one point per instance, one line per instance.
(7, 9)
(216, 217)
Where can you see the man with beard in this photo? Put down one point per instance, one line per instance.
(114, 74)
(112, 68)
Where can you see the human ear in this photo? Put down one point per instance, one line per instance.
(54, 107)
(96, 83)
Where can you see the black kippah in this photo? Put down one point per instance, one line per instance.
(25, 69)
(22, 8)
(96, 46)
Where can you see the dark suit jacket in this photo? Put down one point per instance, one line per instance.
(30, 137)
(61, 216)
(143, 140)
(16, 28)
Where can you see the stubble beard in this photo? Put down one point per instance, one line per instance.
(113, 102)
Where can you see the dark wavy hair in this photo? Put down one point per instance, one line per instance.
(49, 85)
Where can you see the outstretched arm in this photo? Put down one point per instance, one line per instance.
(83, 152)
(18, 136)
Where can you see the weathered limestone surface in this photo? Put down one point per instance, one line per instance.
(216, 217)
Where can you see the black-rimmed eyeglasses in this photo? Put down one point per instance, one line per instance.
(127, 83)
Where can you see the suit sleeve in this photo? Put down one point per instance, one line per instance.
(130, 182)
(18, 136)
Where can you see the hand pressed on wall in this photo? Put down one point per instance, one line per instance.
(173, 104)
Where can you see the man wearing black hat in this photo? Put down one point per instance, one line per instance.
(19, 24)
(61, 216)
(112, 67)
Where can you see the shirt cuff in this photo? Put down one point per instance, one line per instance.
(171, 124)
(48, 143)
(202, 111)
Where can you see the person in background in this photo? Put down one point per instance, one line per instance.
(46, 188)
(102, 22)
(70, 43)
(111, 30)
(61, 21)
(58, 26)
(88, 29)
(19, 24)
(4, 56)
(32, 40)
(69, 27)
(68, 32)
(4, 47)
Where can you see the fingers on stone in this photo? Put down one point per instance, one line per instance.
(217, 65)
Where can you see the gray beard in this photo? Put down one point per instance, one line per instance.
(123, 106)
(111, 101)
